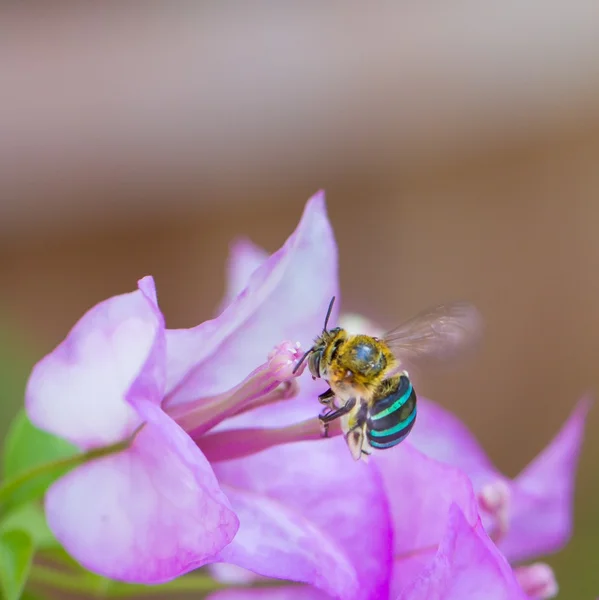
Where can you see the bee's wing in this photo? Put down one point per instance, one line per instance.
(436, 336)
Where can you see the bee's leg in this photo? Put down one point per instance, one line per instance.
(329, 415)
(326, 397)
(338, 412)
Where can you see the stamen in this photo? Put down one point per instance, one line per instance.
(285, 391)
(236, 443)
(495, 500)
(204, 414)
(537, 581)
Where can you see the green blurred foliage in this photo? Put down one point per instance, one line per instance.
(27, 449)
(16, 555)
(15, 362)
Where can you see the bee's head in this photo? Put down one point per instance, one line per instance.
(318, 350)
(314, 355)
(314, 361)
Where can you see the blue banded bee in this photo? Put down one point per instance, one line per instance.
(369, 388)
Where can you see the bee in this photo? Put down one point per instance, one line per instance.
(369, 387)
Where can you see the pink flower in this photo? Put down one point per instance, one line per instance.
(226, 465)
(160, 508)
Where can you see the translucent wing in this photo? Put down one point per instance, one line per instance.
(436, 336)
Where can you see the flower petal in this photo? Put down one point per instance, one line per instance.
(244, 258)
(442, 436)
(147, 514)
(286, 545)
(420, 491)
(307, 514)
(539, 517)
(543, 494)
(79, 390)
(467, 566)
(287, 592)
(286, 299)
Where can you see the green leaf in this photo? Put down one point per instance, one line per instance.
(26, 448)
(16, 554)
(27, 595)
(30, 518)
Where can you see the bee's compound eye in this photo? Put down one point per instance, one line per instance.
(314, 364)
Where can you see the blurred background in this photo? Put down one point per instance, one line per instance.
(458, 145)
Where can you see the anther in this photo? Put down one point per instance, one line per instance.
(537, 581)
(494, 499)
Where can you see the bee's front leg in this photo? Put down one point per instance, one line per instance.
(326, 397)
(339, 412)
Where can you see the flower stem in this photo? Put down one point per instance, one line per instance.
(87, 584)
(58, 467)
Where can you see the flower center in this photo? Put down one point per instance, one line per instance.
(274, 381)
(270, 382)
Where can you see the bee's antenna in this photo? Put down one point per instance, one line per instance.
(326, 319)
(301, 360)
(308, 352)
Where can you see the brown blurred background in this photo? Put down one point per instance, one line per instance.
(458, 146)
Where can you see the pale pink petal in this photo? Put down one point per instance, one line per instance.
(286, 299)
(244, 258)
(543, 494)
(283, 592)
(308, 512)
(467, 566)
(147, 514)
(420, 491)
(79, 390)
(276, 541)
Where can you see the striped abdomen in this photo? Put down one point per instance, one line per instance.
(392, 415)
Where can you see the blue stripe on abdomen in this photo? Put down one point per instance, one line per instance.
(389, 444)
(387, 406)
(395, 429)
